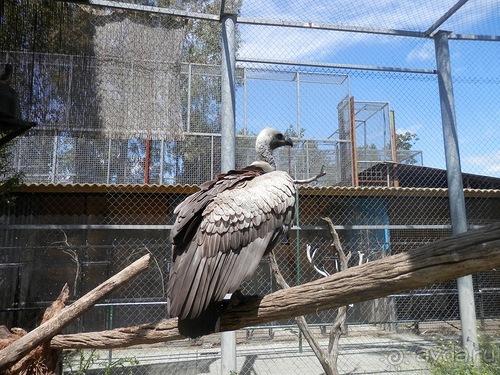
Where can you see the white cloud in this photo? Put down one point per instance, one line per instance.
(286, 43)
(414, 128)
(489, 163)
(424, 52)
(280, 43)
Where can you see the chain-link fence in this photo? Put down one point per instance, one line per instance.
(126, 97)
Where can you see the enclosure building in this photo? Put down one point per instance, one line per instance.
(123, 108)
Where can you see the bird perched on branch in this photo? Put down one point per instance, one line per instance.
(222, 232)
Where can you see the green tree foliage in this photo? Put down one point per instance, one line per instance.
(293, 132)
(307, 156)
(38, 26)
(9, 179)
(40, 38)
(202, 48)
(66, 30)
(45, 26)
(405, 142)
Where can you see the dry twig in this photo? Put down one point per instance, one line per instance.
(327, 358)
(309, 180)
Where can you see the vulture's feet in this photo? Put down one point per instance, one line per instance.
(238, 298)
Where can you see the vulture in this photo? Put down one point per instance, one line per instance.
(222, 232)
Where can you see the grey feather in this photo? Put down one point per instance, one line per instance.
(222, 232)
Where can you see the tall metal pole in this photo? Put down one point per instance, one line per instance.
(297, 79)
(228, 142)
(455, 188)
(228, 151)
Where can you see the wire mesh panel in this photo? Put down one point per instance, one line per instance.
(126, 97)
(134, 226)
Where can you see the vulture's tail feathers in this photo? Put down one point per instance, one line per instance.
(206, 323)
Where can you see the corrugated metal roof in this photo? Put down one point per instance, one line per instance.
(303, 190)
(106, 188)
(417, 176)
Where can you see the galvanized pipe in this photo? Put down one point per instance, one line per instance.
(228, 150)
(228, 137)
(455, 188)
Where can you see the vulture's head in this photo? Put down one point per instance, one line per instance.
(268, 140)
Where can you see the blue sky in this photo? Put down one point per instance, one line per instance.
(413, 97)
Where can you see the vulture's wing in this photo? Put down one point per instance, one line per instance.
(222, 232)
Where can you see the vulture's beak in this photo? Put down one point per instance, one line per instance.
(288, 142)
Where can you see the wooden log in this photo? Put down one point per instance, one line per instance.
(446, 259)
(43, 358)
(148, 333)
(51, 327)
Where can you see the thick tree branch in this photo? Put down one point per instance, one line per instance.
(42, 359)
(62, 318)
(446, 259)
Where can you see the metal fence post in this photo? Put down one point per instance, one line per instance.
(455, 187)
(228, 141)
(53, 168)
(108, 167)
(162, 161)
(188, 115)
(228, 151)
(297, 93)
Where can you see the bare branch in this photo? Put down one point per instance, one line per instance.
(51, 327)
(277, 273)
(344, 259)
(43, 358)
(337, 329)
(66, 249)
(309, 180)
(300, 320)
(446, 259)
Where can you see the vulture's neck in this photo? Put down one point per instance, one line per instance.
(264, 166)
(266, 154)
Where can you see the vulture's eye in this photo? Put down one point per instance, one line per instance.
(279, 136)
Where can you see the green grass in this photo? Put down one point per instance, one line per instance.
(449, 358)
(79, 362)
